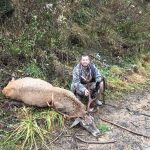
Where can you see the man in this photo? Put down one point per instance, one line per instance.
(85, 74)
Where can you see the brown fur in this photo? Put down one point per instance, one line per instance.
(40, 93)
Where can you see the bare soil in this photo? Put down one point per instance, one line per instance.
(132, 112)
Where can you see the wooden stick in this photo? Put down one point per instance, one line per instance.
(76, 143)
(137, 112)
(129, 130)
(94, 142)
(144, 114)
(110, 105)
(56, 138)
(73, 135)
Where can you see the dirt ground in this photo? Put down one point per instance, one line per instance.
(130, 112)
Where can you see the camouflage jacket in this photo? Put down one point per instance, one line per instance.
(79, 72)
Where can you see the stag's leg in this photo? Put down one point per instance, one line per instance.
(59, 108)
(91, 102)
(12, 103)
(65, 116)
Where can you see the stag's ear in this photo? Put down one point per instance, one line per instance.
(13, 77)
(77, 121)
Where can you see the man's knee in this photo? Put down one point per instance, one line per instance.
(102, 85)
(72, 88)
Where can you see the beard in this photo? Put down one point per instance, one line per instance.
(85, 64)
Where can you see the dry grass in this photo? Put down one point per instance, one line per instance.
(136, 78)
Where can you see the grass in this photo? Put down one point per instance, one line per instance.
(33, 70)
(102, 128)
(124, 78)
(35, 124)
(32, 128)
(52, 119)
(95, 26)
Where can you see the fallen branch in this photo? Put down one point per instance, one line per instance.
(73, 135)
(139, 134)
(144, 114)
(110, 105)
(94, 142)
(137, 112)
(56, 137)
(76, 143)
(134, 124)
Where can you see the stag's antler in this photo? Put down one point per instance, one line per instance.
(100, 92)
(90, 101)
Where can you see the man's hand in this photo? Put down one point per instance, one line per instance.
(86, 92)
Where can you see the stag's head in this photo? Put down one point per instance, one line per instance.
(9, 90)
(88, 123)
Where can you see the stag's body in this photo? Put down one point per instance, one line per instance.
(66, 102)
(40, 93)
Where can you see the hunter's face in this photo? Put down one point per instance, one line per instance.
(85, 61)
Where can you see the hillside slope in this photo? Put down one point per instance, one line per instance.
(45, 38)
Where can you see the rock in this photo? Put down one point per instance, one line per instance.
(134, 68)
